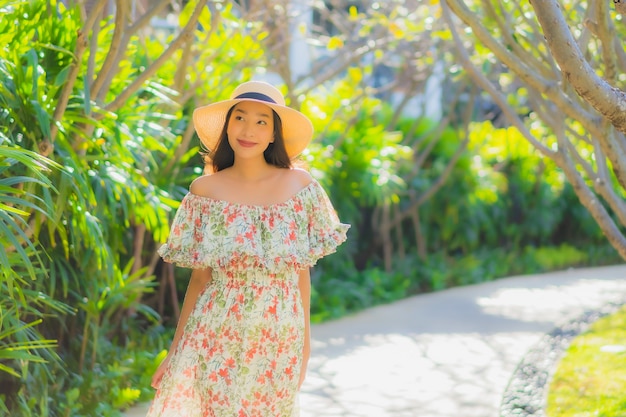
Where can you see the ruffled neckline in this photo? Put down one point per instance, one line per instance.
(226, 203)
(231, 236)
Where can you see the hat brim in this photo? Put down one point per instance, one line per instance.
(209, 121)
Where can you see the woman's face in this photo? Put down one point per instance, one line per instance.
(250, 129)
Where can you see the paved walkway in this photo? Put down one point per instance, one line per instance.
(444, 354)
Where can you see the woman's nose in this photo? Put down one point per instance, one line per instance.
(248, 130)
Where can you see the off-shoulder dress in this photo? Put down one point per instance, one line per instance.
(241, 351)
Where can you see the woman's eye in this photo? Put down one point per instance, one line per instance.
(262, 122)
(238, 118)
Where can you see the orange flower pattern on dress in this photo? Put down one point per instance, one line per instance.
(241, 351)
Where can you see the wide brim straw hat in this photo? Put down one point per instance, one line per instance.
(297, 128)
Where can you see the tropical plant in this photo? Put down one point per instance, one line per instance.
(22, 307)
(96, 150)
(94, 144)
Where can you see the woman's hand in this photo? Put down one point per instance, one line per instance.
(158, 374)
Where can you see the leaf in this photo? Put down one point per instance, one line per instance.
(43, 118)
(396, 30)
(12, 230)
(205, 19)
(33, 61)
(334, 43)
(61, 77)
(186, 13)
(354, 13)
(355, 74)
(13, 210)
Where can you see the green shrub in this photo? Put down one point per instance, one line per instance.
(553, 258)
(509, 197)
(80, 227)
(78, 335)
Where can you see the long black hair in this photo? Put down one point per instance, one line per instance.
(223, 156)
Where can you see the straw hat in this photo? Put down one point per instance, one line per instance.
(297, 128)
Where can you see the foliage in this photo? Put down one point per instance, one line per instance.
(590, 379)
(22, 306)
(87, 191)
(505, 194)
(358, 160)
(83, 209)
(518, 214)
(344, 289)
(557, 81)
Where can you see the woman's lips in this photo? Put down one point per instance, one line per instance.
(245, 143)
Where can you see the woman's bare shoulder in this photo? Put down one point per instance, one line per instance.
(300, 176)
(205, 184)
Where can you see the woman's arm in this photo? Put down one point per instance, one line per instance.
(304, 283)
(199, 279)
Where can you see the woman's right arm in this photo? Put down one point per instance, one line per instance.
(200, 278)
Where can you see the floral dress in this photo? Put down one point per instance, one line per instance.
(241, 351)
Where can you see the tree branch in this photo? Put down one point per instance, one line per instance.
(603, 185)
(589, 200)
(145, 19)
(480, 80)
(185, 36)
(605, 32)
(81, 45)
(507, 28)
(91, 63)
(119, 44)
(607, 100)
(182, 148)
(116, 48)
(619, 53)
(533, 79)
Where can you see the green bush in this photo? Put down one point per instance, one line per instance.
(504, 211)
(345, 290)
(503, 194)
(83, 210)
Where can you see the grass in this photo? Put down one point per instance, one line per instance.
(590, 380)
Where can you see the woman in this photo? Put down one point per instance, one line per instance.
(250, 231)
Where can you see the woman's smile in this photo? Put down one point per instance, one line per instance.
(245, 143)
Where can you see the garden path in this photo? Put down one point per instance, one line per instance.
(444, 354)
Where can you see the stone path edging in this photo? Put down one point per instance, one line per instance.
(526, 393)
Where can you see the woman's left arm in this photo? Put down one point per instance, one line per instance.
(304, 283)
